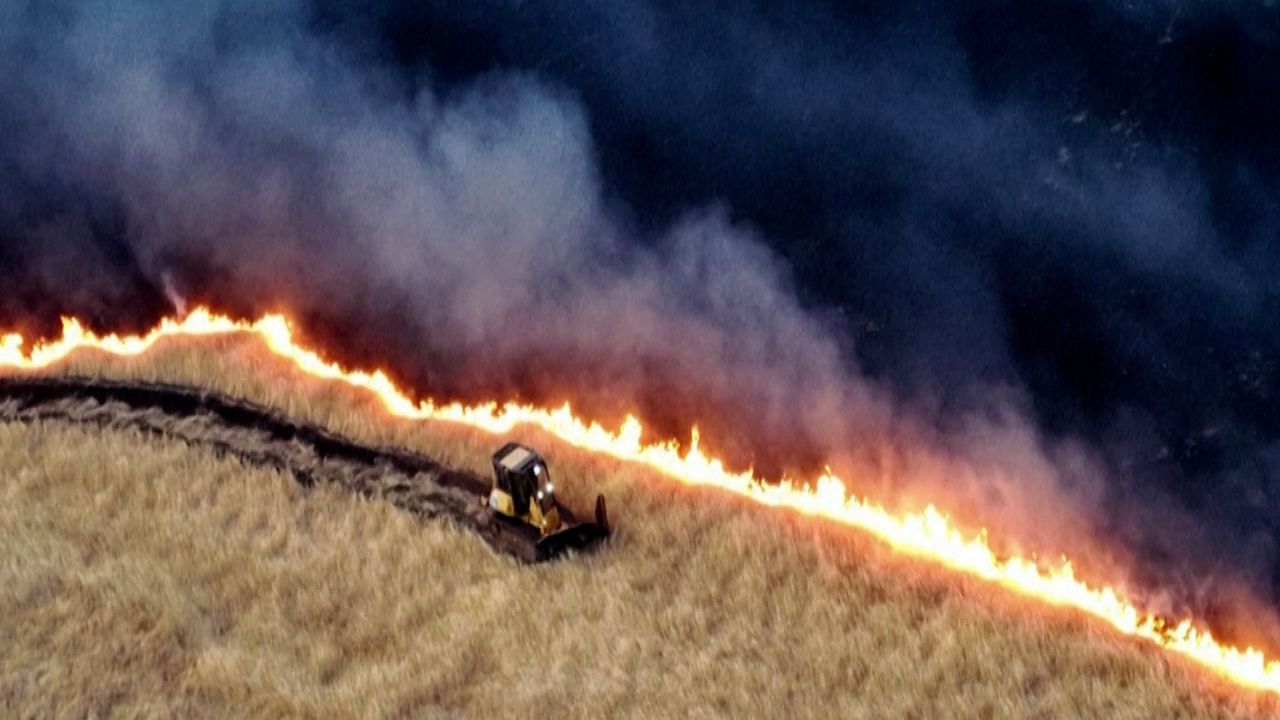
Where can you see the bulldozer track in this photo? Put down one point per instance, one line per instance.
(262, 437)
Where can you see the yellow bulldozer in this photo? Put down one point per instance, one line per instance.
(524, 493)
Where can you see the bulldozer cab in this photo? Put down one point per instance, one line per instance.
(522, 474)
(523, 502)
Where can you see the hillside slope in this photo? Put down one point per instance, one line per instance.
(142, 574)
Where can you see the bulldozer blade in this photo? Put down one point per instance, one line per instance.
(578, 537)
(575, 537)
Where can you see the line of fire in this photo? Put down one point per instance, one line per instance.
(930, 535)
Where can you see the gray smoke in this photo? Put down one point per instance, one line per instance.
(228, 152)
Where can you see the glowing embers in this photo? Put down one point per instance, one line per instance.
(928, 534)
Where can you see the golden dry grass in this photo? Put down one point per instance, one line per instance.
(141, 576)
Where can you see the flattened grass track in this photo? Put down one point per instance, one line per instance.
(259, 436)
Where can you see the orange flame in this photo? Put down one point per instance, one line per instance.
(928, 534)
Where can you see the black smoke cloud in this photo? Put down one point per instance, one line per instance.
(1020, 257)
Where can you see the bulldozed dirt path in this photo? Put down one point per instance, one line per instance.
(144, 579)
(259, 436)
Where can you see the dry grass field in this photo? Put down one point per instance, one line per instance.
(143, 577)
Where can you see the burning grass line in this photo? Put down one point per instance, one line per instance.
(928, 534)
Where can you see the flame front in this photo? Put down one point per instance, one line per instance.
(928, 534)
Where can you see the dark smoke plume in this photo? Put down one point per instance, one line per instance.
(1018, 259)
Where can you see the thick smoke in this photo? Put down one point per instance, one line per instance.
(1035, 290)
(244, 160)
(1069, 200)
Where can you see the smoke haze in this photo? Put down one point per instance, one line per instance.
(1019, 259)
